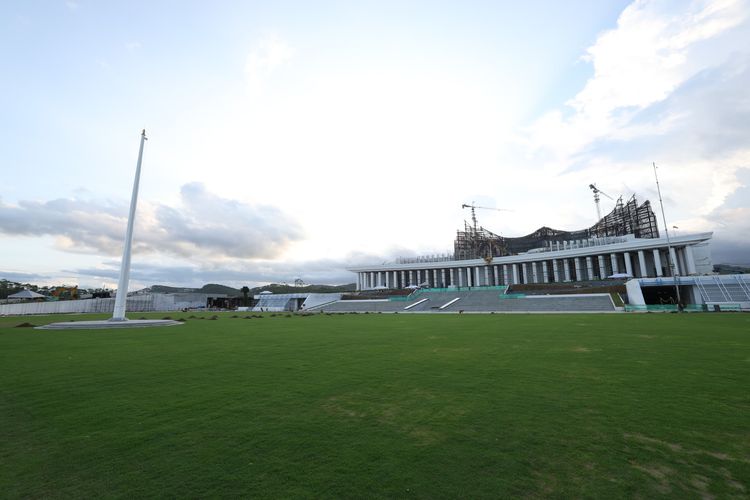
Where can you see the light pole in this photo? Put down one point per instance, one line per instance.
(672, 263)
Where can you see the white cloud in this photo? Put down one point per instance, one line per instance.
(271, 53)
(653, 50)
(202, 226)
(669, 85)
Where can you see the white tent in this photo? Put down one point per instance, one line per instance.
(26, 294)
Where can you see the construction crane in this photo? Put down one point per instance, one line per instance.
(597, 192)
(474, 215)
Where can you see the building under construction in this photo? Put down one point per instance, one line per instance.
(626, 219)
(624, 243)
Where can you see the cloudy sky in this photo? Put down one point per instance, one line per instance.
(291, 139)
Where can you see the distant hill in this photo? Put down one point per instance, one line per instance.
(731, 269)
(213, 288)
(276, 288)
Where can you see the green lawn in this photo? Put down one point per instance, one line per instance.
(380, 406)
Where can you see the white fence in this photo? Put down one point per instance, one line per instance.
(146, 303)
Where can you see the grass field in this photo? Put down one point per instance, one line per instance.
(380, 406)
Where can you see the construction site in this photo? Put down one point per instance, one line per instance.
(627, 218)
(623, 255)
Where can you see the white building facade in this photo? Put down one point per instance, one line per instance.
(560, 262)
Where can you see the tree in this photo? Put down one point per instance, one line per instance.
(245, 290)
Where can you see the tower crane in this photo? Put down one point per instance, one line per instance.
(474, 215)
(597, 192)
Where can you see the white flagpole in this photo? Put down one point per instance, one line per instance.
(122, 286)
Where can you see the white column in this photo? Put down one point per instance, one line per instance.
(505, 274)
(372, 279)
(602, 267)
(657, 262)
(690, 260)
(442, 278)
(411, 277)
(642, 263)
(615, 266)
(460, 277)
(579, 270)
(674, 265)
(453, 277)
(590, 268)
(628, 264)
(486, 275)
(387, 281)
(681, 260)
(469, 281)
(476, 277)
(495, 273)
(545, 273)
(515, 274)
(403, 279)
(534, 273)
(555, 271)
(434, 279)
(525, 267)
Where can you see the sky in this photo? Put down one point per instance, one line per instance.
(288, 140)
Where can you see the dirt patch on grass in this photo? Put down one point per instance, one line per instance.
(677, 448)
(336, 406)
(662, 475)
(645, 439)
(720, 456)
(405, 413)
(581, 349)
(696, 483)
(25, 325)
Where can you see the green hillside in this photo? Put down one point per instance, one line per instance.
(214, 288)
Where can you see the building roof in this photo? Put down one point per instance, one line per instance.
(26, 294)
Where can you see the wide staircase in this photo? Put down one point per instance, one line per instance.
(491, 299)
(724, 289)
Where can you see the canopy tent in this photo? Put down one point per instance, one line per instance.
(26, 294)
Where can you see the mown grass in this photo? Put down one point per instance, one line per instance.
(379, 406)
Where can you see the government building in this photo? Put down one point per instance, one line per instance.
(625, 243)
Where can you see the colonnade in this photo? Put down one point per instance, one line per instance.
(639, 263)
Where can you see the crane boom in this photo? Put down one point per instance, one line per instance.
(473, 213)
